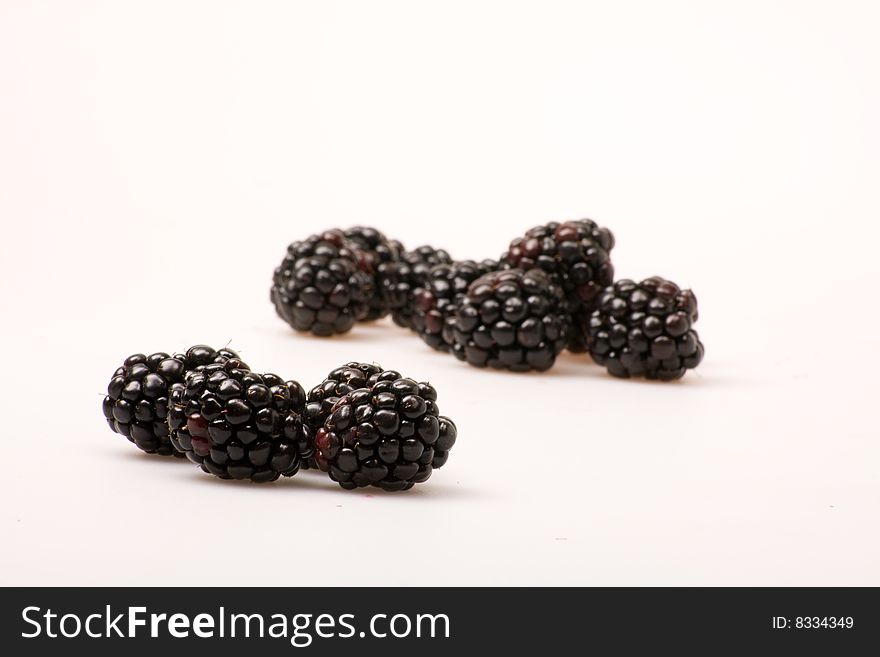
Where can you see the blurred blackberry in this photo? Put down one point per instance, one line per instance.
(577, 253)
(436, 301)
(323, 285)
(424, 257)
(381, 251)
(645, 329)
(400, 280)
(136, 404)
(396, 282)
(387, 434)
(237, 424)
(511, 320)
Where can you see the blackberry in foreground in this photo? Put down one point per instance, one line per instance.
(577, 253)
(388, 434)
(237, 424)
(321, 398)
(645, 329)
(512, 320)
(323, 285)
(381, 250)
(341, 381)
(400, 280)
(436, 301)
(136, 405)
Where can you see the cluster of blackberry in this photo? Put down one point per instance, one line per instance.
(552, 289)
(363, 425)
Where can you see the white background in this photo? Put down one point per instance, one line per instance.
(157, 157)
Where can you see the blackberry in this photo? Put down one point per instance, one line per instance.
(136, 404)
(645, 329)
(238, 424)
(424, 257)
(388, 434)
(396, 282)
(511, 320)
(400, 280)
(321, 398)
(436, 301)
(381, 250)
(323, 285)
(347, 378)
(577, 253)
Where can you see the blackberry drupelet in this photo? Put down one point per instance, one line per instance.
(645, 329)
(136, 404)
(436, 301)
(511, 320)
(323, 285)
(388, 434)
(381, 251)
(237, 424)
(577, 253)
(400, 280)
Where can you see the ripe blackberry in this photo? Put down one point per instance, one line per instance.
(323, 285)
(321, 398)
(511, 320)
(341, 381)
(645, 329)
(136, 404)
(436, 301)
(577, 254)
(237, 424)
(381, 251)
(387, 434)
(400, 280)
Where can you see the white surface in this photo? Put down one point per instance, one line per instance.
(156, 158)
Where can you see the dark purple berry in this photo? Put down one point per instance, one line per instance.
(324, 284)
(645, 329)
(511, 320)
(384, 430)
(577, 255)
(136, 405)
(257, 434)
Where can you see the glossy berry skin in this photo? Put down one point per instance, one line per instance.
(381, 251)
(511, 320)
(645, 329)
(338, 383)
(437, 300)
(237, 424)
(577, 254)
(324, 285)
(401, 280)
(136, 405)
(388, 434)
